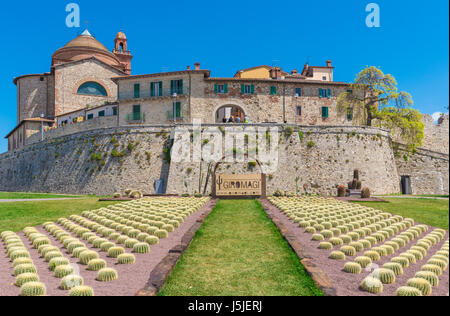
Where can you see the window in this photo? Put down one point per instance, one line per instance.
(324, 112)
(176, 86)
(247, 89)
(177, 109)
(221, 88)
(92, 88)
(324, 78)
(299, 110)
(349, 91)
(136, 112)
(137, 90)
(349, 114)
(298, 91)
(101, 113)
(273, 90)
(90, 116)
(324, 93)
(156, 89)
(114, 109)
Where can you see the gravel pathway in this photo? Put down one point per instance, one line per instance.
(348, 284)
(131, 277)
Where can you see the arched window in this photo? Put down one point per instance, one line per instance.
(92, 88)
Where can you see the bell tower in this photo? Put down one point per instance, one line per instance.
(122, 53)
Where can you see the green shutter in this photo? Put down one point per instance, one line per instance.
(152, 89)
(215, 88)
(329, 93)
(137, 90)
(178, 109)
(273, 90)
(225, 88)
(160, 84)
(172, 84)
(242, 89)
(252, 89)
(320, 92)
(324, 112)
(180, 86)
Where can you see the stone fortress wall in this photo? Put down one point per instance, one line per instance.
(87, 160)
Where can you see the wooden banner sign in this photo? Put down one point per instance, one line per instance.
(239, 185)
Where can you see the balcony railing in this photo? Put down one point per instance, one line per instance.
(147, 94)
(181, 116)
(136, 117)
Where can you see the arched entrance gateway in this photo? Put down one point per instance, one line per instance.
(230, 111)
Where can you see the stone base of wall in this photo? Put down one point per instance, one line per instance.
(314, 160)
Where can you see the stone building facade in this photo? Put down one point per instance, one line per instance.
(119, 109)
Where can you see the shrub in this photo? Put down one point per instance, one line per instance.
(96, 264)
(337, 255)
(106, 246)
(117, 195)
(26, 278)
(421, 284)
(317, 237)
(87, 256)
(395, 267)
(372, 285)
(152, 240)
(352, 267)
(161, 233)
(71, 281)
(325, 246)
(107, 275)
(336, 241)
(386, 276)
(348, 251)
(373, 255)
(408, 291)
(81, 291)
(24, 268)
(55, 262)
(310, 144)
(141, 248)
(342, 191)
(126, 258)
(365, 193)
(432, 268)
(33, 289)
(62, 271)
(114, 252)
(363, 261)
(429, 276)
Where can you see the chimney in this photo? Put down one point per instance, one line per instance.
(329, 63)
(188, 67)
(275, 73)
(197, 66)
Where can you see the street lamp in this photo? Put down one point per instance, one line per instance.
(175, 108)
(42, 127)
(296, 109)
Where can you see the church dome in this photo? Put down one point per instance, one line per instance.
(86, 40)
(82, 47)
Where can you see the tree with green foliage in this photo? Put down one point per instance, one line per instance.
(374, 100)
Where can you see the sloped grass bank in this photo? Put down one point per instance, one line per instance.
(239, 252)
(433, 212)
(15, 216)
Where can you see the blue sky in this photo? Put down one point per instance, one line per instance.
(411, 44)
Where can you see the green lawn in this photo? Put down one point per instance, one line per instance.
(427, 211)
(20, 196)
(15, 216)
(238, 251)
